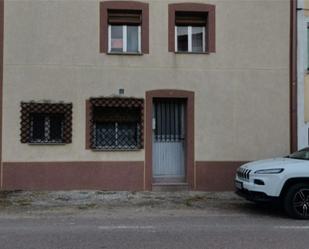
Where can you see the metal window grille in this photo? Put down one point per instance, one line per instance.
(115, 135)
(46, 123)
(116, 124)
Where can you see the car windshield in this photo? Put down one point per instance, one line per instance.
(302, 154)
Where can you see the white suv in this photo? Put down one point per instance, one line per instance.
(285, 180)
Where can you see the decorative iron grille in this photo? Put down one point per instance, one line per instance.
(116, 123)
(169, 120)
(46, 123)
(116, 135)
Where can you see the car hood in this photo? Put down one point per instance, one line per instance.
(273, 163)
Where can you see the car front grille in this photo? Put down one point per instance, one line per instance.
(243, 174)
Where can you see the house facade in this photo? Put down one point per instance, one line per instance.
(126, 95)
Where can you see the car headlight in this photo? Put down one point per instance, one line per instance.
(269, 171)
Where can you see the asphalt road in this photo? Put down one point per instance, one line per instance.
(239, 226)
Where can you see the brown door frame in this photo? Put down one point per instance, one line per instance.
(189, 161)
(293, 77)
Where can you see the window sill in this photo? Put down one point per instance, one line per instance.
(119, 53)
(115, 150)
(191, 52)
(46, 143)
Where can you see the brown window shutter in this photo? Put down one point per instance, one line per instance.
(191, 18)
(124, 17)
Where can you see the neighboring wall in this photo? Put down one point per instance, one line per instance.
(303, 77)
(51, 52)
(306, 87)
(306, 99)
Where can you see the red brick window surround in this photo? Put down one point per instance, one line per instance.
(191, 28)
(46, 123)
(115, 124)
(124, 27)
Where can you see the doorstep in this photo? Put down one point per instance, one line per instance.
(170, 187)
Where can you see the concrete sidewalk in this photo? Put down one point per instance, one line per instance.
(88, 200)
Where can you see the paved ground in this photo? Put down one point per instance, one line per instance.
(186, 220)
(17, 200)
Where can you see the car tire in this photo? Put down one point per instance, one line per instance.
(296, 201)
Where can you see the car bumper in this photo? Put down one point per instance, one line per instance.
(271, 184)
(255, 196)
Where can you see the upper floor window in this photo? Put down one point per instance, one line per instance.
(191, 28)
(46, 123)
(124, 27)
(190, 32)
(124, 31)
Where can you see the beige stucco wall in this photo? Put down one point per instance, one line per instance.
(51, 51)
(306, 6)
(306, 87)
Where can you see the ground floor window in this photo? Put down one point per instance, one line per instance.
(116, 124)
(46, 123)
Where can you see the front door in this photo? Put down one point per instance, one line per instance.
(169, 139)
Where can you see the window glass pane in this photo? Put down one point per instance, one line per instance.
(197, 39)
(182, 38)
(116, 38)
(37, 127)
(56, 127)
(132, 38)
(127, 135)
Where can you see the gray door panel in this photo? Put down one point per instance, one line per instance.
(168, 138)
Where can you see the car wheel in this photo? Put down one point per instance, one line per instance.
(296, 201)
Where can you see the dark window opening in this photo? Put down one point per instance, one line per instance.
(46, 128)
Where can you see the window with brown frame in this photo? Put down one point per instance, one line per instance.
(115, 124)
(191, 28)
(124, 27)
(46, 123)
